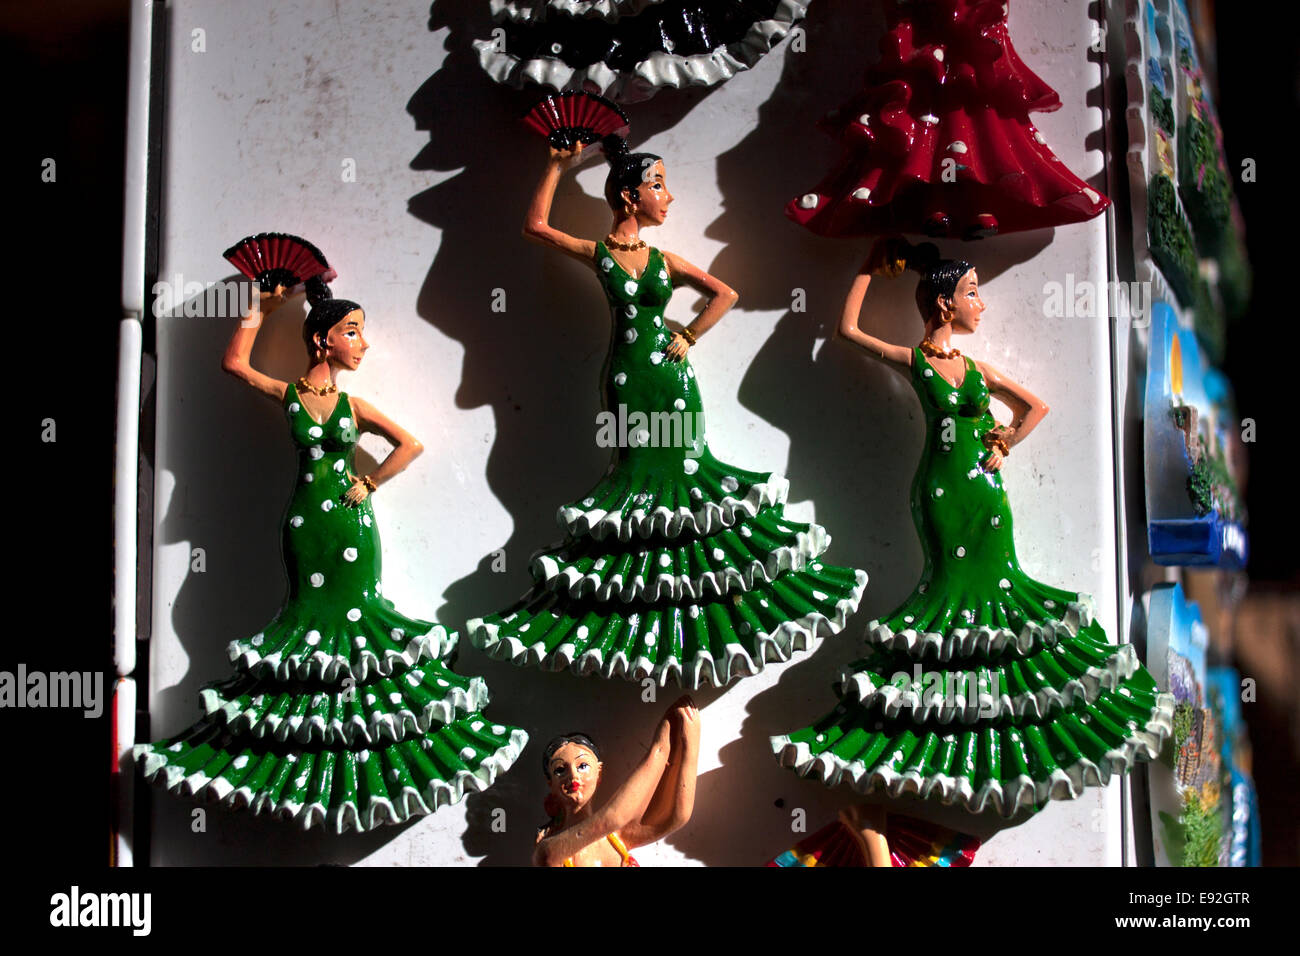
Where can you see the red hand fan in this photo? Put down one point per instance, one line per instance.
(573, 117)
(277, 258)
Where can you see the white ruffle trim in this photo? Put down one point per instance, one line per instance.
(381, 728)
(657, 70)
(712, 516)
(682, 587)
(318, 665)
(966, 641)
(1007, 799)
(801, 634)
(410, 803)
(938, 705)
(526, 11)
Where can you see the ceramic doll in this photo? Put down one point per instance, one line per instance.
(656, 800)
(984, 688)
(675, 566)
(343, 713)
(631, 49)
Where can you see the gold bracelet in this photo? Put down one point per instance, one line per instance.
(991, 441)
(369, 483)
(688, 335)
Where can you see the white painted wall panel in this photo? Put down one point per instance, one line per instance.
(257, 132)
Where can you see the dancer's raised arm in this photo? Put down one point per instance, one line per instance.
(674, 799)
(237, 362)
(878, 262)
(537, 224)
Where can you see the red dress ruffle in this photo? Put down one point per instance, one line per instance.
(939, 140)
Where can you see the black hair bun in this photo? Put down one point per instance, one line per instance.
(317, 291)
(615, 148)
(921, 257)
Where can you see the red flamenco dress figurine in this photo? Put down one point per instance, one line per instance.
(939, 140)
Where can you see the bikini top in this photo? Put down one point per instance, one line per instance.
(617, 844)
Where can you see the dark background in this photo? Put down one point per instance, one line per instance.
(65, 80)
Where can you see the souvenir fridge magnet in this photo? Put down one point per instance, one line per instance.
(675, 565)
(1183, 208)
(1244, 837)
(985, 688)
(657, 799)
(629, 49)
(939, 140)
(1187, 786)
(1194, 507)
(343, 713)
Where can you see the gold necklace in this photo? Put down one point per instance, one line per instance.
(320, 391)
(633, 246)
(933, 351)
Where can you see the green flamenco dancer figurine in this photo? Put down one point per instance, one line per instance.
(344, 713)
(675, 566)
(985, 688)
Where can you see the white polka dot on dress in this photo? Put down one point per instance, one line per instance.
(607, 263)
(365, 520)
(690, 466)
(326, 505)
(345, 423)
(309, 477)
(339, 466)
(679, 404)
(317, 579)
(656, 358)
(620, 378)
(354, 614)
(629, 287)
(315, 452)
(312, 639)
(665, 560)
(315, 431)
(296, 521)
(729, 484)
(349, 554)
(630, 336)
